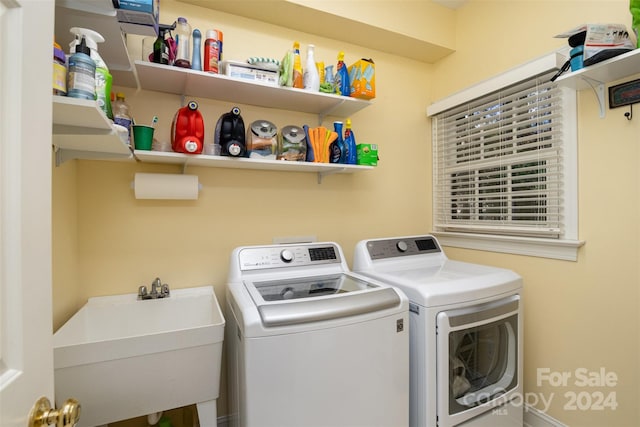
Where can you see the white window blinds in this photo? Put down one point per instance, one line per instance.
(498, 162)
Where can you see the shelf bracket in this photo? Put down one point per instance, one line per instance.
(327, 112)
(598, 90)
(329, 172)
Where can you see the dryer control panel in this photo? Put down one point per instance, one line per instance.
(266, 257)
(403, 246)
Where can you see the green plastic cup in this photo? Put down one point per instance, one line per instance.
(142, 137)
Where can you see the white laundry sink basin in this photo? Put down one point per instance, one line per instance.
(122, 357)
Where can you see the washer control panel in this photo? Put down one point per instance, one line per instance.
(265, 257)
(403, 246)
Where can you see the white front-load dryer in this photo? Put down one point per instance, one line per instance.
(310, 344)
(465, 332)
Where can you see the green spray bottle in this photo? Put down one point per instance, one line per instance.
(634, 8)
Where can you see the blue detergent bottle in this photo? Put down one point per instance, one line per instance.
(343, 85)
(337, 152)
(350, 144)
(81, 78)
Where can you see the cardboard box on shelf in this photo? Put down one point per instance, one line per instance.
(246, 71)
(599, 41)
(367, 154)
(362, 75)
(138, 16)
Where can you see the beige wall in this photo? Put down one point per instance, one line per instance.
(578, 314)
(119, 243)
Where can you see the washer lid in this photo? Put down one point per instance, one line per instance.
(311, 299)
(450, 282)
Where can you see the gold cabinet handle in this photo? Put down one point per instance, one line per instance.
(42, 414)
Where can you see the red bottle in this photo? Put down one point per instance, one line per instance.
(187, 130)
(212, 51)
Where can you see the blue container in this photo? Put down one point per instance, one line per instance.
(196, 63)
(81, 77)
(576, 57)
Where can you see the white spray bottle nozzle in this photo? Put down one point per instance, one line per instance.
(92, 38)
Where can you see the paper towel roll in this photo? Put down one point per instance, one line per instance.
(165, 186)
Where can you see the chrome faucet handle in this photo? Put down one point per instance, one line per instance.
(142, 292)
(165, 290)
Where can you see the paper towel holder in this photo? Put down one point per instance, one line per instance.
(160, 186)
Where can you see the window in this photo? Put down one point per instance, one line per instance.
(504, 165)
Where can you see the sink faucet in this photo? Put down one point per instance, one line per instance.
(156, 287)
(158, 290)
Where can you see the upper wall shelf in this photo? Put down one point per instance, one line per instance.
(100, 16)
(597, 75)
(182, 81)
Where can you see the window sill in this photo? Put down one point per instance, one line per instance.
(545, 248)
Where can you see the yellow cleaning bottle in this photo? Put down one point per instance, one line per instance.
(297, 67)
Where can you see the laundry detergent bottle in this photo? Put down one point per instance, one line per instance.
(337, 152)
(343, 86)
(350, 143)
(229, 134)
(187, 130)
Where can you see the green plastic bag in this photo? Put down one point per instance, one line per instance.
(286, 70)
(634, 7)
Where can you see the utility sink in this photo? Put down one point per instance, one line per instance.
(122, 357)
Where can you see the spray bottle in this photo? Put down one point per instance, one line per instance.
(350, 143)
(343, 86)
(103, 79)
(81, 78)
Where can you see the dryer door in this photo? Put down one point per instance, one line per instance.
(477, 359)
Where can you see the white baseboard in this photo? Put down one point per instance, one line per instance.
(535, 418)
(532, 418)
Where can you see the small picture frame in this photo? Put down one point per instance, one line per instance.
(624, 94)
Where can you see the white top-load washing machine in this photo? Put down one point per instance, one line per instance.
(465, 332)
(311, 344)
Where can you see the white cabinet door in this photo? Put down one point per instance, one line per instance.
(26, 357)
